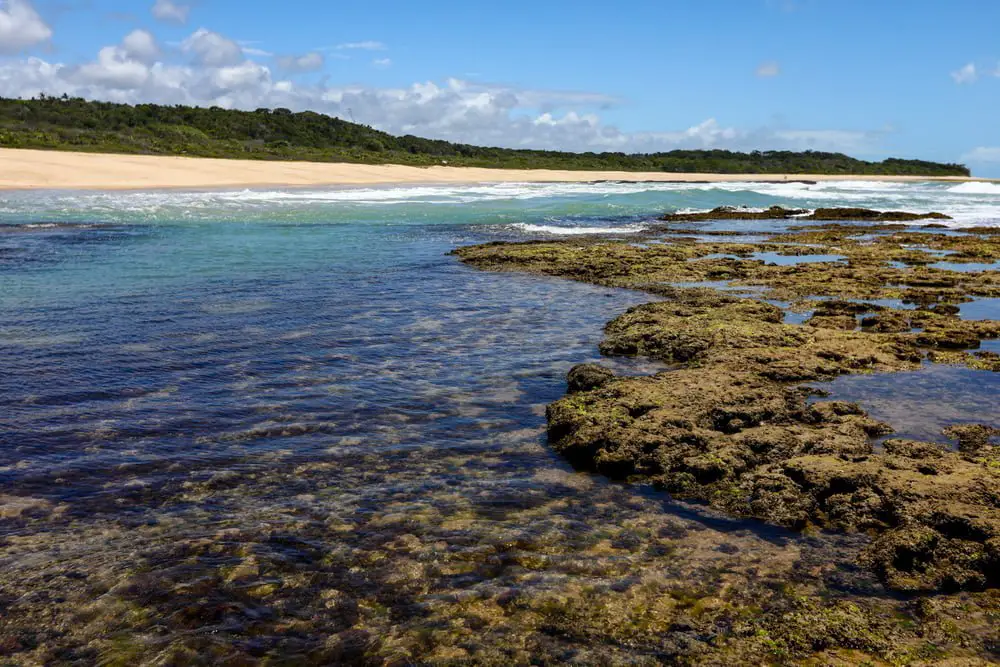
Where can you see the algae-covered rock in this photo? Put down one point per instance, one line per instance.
(782, 213)
(586, 377)
(730, 425)
(869, 214)
(735, 213)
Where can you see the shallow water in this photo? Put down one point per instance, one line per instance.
(232, 367)
(966, 267)
(795, 260)
(921, 404)
(985, 308)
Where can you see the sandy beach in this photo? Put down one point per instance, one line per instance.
(22, 169)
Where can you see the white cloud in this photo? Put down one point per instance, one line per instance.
(457, 110)
(20, 26)
(364, 46)
(113, 69)
(141, 45)
(247, 76)
(171, 12)
(768, 69)
(966, 74)
(310, 62)
(212, 49)
(254, 51)
(382, 62)
(983, 154)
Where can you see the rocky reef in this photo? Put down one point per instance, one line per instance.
(810, 534)
(782, 213)
(730, 427)
(732, 423)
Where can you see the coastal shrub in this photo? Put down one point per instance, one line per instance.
(64, 123)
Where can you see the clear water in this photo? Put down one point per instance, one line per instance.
(146, 333)
(921, 404)
(177, 364)
(795, 260)
(966, 267)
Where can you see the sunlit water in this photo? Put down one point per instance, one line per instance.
(325, 344)
(144, 334)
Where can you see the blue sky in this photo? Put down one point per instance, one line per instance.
(915, 78)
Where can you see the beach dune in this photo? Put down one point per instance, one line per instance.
(23, 169)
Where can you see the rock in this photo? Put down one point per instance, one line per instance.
(587, 377)
(731, 425)
(734, 213)
(869, 214)
(820, 214)
(973, 438)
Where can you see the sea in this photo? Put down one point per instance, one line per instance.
(175, 364)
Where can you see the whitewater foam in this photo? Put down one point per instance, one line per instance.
(976, 188)
(575, 231)
(969, 203)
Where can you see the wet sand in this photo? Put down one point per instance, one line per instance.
(22, 169)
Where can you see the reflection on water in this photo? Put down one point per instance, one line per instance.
(980, 309)
(965, 267)
(794, 260)
(921, 404)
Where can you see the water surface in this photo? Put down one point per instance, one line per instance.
(308, 377)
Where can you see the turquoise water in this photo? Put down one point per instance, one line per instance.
(173, 365)
(142, 331)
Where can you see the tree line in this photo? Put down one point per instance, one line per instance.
(76, 124)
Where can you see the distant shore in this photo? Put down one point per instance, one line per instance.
(24, 169)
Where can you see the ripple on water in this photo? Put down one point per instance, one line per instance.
(921, 404)
(269, 437)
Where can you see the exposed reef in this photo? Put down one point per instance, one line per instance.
(729, 427)
(781, 213)
(731, 423)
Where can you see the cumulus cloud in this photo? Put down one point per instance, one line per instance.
(363, 46)
(212, 49)
(113, 69)
(309, 62)
(990, 154)
(457, 110)
(171, 12)
(140, 45)
(966, 74)
(768, 69)
(20, 26)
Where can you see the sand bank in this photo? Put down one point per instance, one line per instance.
(22, 169)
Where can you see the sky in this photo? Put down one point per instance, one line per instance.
(902, 78)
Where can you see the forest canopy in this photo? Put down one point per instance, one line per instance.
(75, 124)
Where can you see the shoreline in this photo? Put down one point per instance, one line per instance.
(30, 169)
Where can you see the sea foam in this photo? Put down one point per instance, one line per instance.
(976, 188)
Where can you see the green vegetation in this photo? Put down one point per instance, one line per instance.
(75, 124)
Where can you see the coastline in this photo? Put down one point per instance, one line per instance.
(28, 169)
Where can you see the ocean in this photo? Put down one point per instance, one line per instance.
(188, 368)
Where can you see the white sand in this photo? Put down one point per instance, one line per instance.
(34, 169)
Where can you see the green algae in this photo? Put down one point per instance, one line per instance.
(730, 425)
